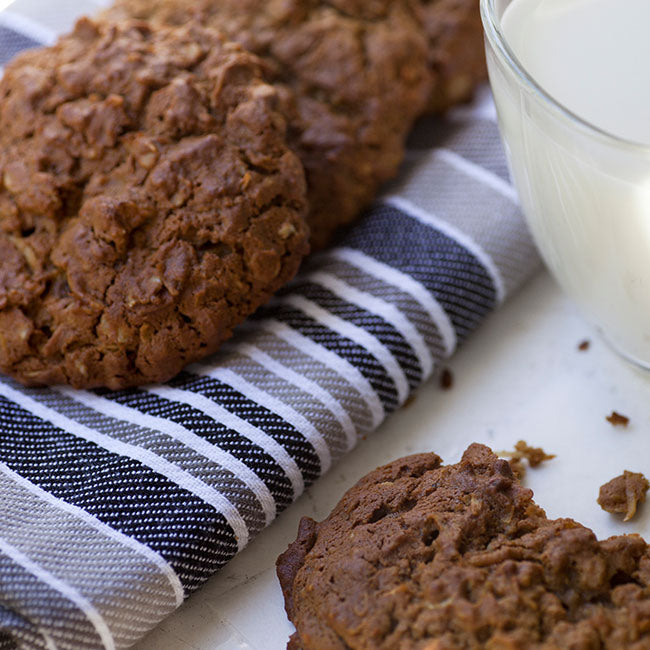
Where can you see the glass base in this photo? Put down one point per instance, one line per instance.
(640, 364)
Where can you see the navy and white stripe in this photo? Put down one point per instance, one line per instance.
(452, 273)
(116, 505)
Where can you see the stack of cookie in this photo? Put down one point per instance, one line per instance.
(165, 168)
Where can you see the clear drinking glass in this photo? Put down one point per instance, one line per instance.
(585, 194)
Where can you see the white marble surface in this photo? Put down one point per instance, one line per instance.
(520, 376)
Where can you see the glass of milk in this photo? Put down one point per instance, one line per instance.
(571, 81)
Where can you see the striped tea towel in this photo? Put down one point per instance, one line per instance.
(117, 505)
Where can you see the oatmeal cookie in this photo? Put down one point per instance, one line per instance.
(148, 202)
(419, 555)
(455, 49)
(355, 74)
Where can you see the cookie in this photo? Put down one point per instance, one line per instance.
(421, 555)
(148, 203)
(455, 49)
(355, 75)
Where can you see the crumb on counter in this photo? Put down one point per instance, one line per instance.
(622, 494)
(618, 420)
(446, 379)
(409, 400)
(518, 467)
(583, 346)
(523, 451)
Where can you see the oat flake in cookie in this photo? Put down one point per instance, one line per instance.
(148, 203)
(423, 556)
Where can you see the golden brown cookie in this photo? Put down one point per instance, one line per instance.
(355, 74)
(455, 49)
(148, 203)
(419, 555)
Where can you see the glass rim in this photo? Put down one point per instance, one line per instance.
(497, 41)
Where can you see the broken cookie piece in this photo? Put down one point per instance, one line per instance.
(421, 555)
(622, 494)
(617, 420)
(524, 452)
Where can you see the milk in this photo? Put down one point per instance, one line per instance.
(593, 56)
(586, 195)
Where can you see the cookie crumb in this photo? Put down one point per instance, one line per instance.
(622, 494)
(446, 379)
(409, 400)
(583, 346)
(618, 420)
(518, 467)
(523, 451)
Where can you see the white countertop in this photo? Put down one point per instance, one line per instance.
(520, 376)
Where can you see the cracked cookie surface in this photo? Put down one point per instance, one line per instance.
(354, 75)
(419, 555)
(148, 203)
